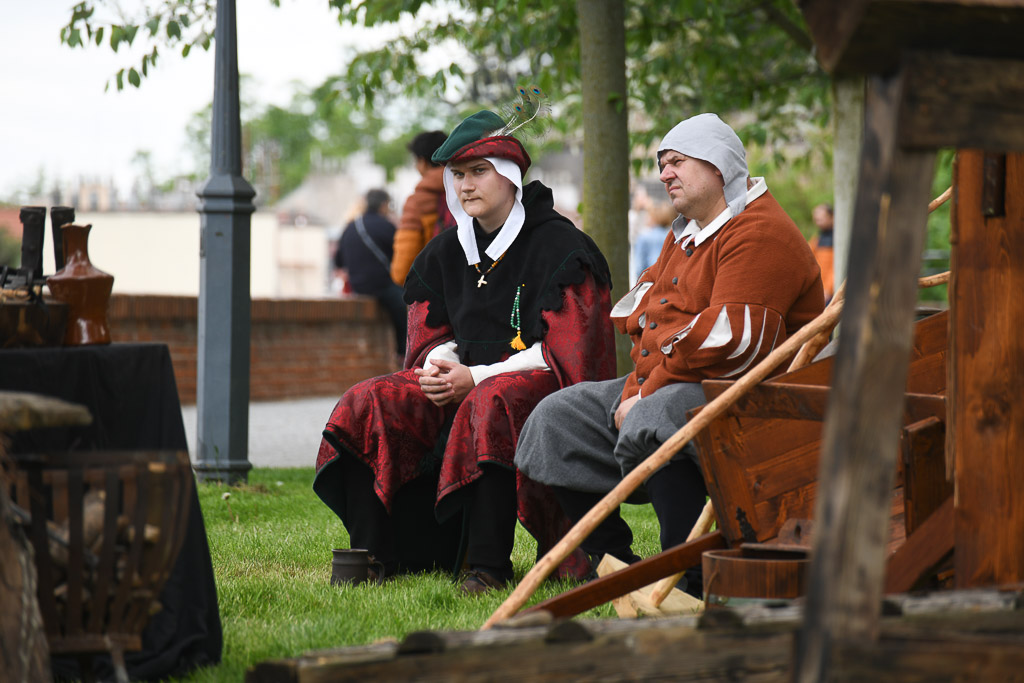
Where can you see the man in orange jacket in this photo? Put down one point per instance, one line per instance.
(424, 214)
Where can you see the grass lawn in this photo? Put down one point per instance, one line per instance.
(271, 544)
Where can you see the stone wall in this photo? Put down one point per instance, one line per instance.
(299, 347)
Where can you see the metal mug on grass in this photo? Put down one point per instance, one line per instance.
(352, 565)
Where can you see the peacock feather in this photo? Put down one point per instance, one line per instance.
(526, 115)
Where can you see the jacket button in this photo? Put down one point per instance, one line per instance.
(653, 325)
(640, 381)
(644, 352)
(675, 281)
(664, 301)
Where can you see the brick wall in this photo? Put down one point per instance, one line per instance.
(299, 347)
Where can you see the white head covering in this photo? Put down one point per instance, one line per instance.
(707, 137)
(513, 224)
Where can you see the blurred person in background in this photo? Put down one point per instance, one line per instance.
(425, 213)
(821, 245)
(364, 258)
(648, 244)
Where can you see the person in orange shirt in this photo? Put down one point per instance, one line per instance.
(821, 245)
(424, 213)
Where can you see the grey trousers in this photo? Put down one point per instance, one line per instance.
(570, 439)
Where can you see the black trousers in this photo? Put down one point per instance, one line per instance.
(412, 539)
(677, 493)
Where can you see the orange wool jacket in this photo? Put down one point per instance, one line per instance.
(719, 311)
(417, 223)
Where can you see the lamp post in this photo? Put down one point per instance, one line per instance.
(225, 208)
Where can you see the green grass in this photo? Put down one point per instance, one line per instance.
(271, 543)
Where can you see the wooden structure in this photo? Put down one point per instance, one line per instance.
(937, 74)
(24, 656)
(974, 635)
(106, 529)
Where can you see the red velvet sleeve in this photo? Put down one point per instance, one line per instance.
(421, 339)
(580, 341)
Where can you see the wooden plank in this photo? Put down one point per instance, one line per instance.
(775, 400)
(859, 454)
(975, 635)
(965, 102)
(924, 549)
(922, 450)
(646, 651)
(868, 36)
(644, 572)
(721, 457)
(987, 370)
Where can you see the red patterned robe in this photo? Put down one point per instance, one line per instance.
(389, 424)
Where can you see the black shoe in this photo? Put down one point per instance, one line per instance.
(627, 556)
(478, 581)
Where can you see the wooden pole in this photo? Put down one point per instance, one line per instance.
(860, 444)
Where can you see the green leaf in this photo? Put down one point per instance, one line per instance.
(129, 33)
(116, 36)
(75, 38)
(173, 30)
(120, 79)
(145, 65)
(185, 50)
(99, 36)
(133, 78)
(153, 25)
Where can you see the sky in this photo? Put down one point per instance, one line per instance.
(56, 116)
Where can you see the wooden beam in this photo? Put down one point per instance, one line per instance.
(859, 453)
(976, 636)
(925, 486)
(924, 549)
(986, 373)
(633, 577)
(955, 101)
(869, 36)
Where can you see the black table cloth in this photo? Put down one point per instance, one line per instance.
(132, 395)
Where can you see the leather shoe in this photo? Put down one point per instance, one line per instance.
(478, 582)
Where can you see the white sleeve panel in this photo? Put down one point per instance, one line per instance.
(529, 359)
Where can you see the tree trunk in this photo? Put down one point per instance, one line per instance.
(24, 655)
(606, 140)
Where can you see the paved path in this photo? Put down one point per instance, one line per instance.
(281, 433)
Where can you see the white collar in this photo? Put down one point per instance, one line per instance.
(687, 231)
(507, 233)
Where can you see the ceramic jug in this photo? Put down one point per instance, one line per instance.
(84, 288)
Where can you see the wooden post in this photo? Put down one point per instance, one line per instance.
(24, 653)
(858, 459)
(986, 370)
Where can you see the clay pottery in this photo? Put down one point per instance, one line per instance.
(84, 288)
(352, 565)
(59, 216)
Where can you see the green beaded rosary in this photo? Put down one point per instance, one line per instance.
(517, 343)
